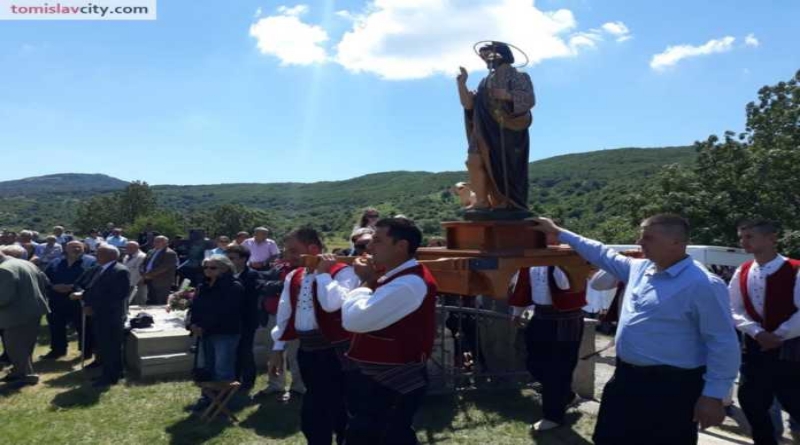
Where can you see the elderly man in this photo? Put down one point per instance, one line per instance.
(64, 275)
(105, 297)
(48, 252)
(262, 249)
(116, 239)
(62, 238)
(22, 304)
(133, 260)
(158, 269)
(677, 350)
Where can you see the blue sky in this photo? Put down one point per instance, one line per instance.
(263, 91)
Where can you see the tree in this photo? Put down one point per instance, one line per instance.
(136, 200)
(756, 174)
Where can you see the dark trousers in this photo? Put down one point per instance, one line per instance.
(763, 378)
(20, 341)
(63, 313)
(108, 331)
(323, 414)
(157, 293)
(651, 405)
(552, 362)
(245, 359)
(379, 415)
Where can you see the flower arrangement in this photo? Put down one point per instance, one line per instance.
(181, 299)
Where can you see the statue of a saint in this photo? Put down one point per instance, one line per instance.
(497, 118)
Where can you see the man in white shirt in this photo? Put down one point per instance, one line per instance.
(552, 336)
(765, 298)
(393, 318)
(262, 249)
(310, 310)
(133, 261)
(117, 240)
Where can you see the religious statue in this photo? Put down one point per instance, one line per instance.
(497, 118)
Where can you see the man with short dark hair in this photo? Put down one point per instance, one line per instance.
(677, 351)
(393, 318)
(251, 280)
(310, 311)
(765, 298)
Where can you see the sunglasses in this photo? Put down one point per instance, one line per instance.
(360, 246)
(210, 268)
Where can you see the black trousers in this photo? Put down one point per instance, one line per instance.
(323, 414)
(108, 331)
(651, 405)
(552, 363)
(763, 378)
(379, 415)
(157, 294)
(63, 313)
(245, 359)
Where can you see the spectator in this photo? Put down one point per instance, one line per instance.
(369, 217)
(15, 251)
(147, 236)
(252, 282)
(65, 274)
(222, 244)
(133, 260)
(109, 228)
(360, 240)
(26, 237)
(160, 266)
(48, 252)
(262, 249)
(92, 241)
(116, 239)
(241, 237)
(62, 238)
(216, 317)
(106, 299)
(22, 304)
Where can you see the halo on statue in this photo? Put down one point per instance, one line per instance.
(476, 48)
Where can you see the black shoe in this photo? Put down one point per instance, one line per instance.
(94, 365)
(11, 378)
(52, 355)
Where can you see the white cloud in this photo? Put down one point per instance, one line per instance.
(618, 30)
(751, 40)
(674, 54)
(289, 39)
(412, 39)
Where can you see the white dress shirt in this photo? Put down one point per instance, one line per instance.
(540, 288)
(133, 263)
(330, 293)
(365, 310)
(756, 290)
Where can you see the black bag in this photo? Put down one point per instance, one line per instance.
(142, 320)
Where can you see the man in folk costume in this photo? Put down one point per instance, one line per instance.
(765, 297)
(393, 316)
(310, 310)
(552, 336)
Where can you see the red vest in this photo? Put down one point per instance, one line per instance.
(563, 300)
(410, 339)
(330, 323)
(779, 299)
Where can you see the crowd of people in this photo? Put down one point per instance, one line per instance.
(356, 334)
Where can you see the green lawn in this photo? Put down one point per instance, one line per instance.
(64, 409)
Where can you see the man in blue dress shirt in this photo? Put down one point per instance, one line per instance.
(677, 351)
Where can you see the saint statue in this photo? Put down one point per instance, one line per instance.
(497, 118)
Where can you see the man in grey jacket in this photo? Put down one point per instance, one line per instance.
(22, 304)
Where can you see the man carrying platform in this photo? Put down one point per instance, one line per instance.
(765, 297)
(393, 316)
(677, 351)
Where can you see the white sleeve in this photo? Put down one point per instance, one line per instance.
(791, 328)
(741, 319)
(284, 312)
(365, 311)
(332, 292)
(603, 280)
(561, 279)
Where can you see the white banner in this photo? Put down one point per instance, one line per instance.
(77, 9)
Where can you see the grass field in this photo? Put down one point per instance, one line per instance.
(64, 409)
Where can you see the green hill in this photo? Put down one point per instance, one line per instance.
(586, 190)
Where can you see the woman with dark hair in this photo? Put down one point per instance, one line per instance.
(216, 319)
(369, 217)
